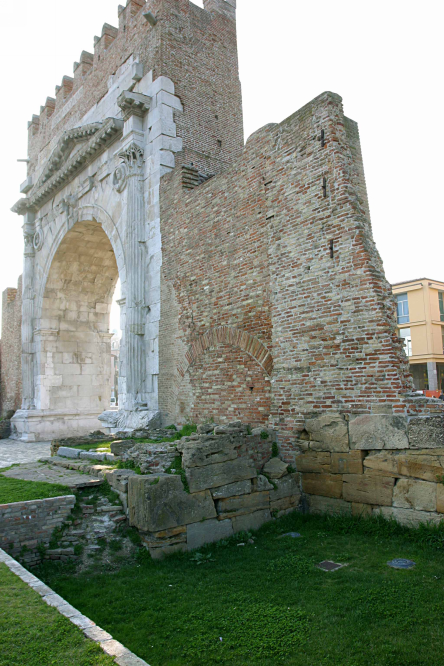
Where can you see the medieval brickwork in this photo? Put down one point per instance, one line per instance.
(10, 351)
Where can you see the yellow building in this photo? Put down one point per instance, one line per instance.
(420, 311)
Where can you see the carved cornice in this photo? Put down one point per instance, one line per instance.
(61, 169)
(134, 104)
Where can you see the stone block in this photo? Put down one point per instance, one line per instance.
(326, 485)
(412, 494)
(251, 521)
(66, 452)
(361, 510)
(160, 502)
(285, 504)
(328, 432)
(261, 483)
(318, 504)
(121, 446)
(378, 431)
(382, 464)
(347, 463)
(236, 506)
(440, 498)
(408, 517)
(368, 489)
(118, 478)
(209, 531)
(422, 464)
(288, 485)
(314, 461)
(213, 476)
(275, 468)
(213, 449)
(232, 489)
(426, 432)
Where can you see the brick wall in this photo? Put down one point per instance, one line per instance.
(25, 525)
(10, 350)
(280, 248)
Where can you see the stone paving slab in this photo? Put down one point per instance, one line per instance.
(52, 474)
(14, 452)
(122, 656)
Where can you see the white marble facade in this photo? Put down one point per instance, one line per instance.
(91, 218)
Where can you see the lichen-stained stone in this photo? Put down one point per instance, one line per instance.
(237, 506)
(314, 461)
(288, 485)
(408, 517)
(327, 432)
(318, 504)
(440, 498)
(412, 494)
(232, 489)
(221, 474)
(368, 489)
(426, 433)
(347, 463)
(208, 450)
(285, 504)
(251, 521)
(378, 431)
(261, 483)
(209, 531)
(275, 468)
(160, 502)
(424, 464)
(327, 485)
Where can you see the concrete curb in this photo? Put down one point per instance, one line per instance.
(122, 656)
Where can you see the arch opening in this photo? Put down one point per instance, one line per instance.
(74, 372)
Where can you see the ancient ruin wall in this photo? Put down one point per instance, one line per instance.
(280, 248)
(10, 351)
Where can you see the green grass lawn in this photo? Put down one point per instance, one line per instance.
(16, 490)
(266, 603)
(33, 634)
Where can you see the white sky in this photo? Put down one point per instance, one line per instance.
(385, 58)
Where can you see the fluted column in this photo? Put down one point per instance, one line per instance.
(136, 307)
(28, 314)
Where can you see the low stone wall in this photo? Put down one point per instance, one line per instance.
(228, 482)
(374, 464)
(26, 525)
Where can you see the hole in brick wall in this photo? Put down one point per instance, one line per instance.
(251, 388)
(217, 117)
(219, 143)
(304, 436)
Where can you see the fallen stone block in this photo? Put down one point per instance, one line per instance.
(412, 494)
(91, 455)
(275, 468)
(66, 452)
(209, 531)
(368, 489)
(378, 431)
(426, 432)
(326, 485)
(327, 432)
(120, 446)
(213, 476)
(160, 502)
(232, 489)
(237, 506)
(208, 451)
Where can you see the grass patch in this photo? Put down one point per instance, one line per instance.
(93, 446)
(17, 490)
(270, 604)
(34, 634)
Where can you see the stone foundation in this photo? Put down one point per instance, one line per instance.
(42, 426)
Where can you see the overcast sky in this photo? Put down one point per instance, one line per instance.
(384, 58)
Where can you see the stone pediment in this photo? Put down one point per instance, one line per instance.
(75, 150)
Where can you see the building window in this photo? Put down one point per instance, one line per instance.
(403, 309)
(406, 335)
(442, 335)
(420, 377)
(441, 305)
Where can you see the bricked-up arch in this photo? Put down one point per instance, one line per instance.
(230, 336)
(72, 336)
(226, 376)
